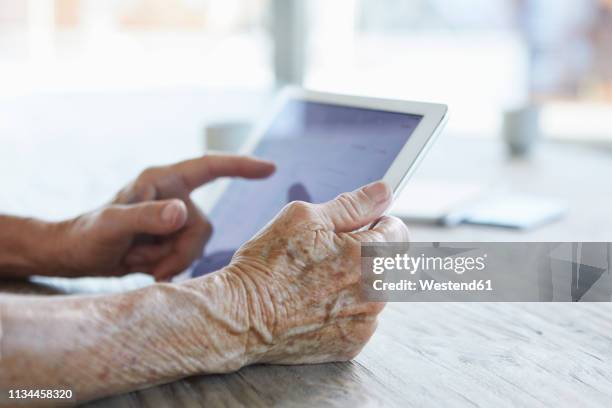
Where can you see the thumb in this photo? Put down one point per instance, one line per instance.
(150, 217)
(351, 211)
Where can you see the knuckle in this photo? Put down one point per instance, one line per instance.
(345, 198)
(125, 195)
(401, 229)
(142, 191)
(148, 173)
(376, 307)
(298, 209)
(351, 354)
(350, 204)
(394, 229)
(364, 332)
(352, 252)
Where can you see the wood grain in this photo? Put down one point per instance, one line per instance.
(495, 354)
(423, 354)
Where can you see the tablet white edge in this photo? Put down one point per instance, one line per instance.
(434, 118)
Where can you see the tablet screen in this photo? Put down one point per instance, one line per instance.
(320, 150)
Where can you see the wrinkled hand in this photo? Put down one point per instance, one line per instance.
(301, 275)
(152, 225)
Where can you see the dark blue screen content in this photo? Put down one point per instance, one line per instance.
(320, 151)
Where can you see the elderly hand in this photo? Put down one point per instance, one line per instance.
(301, 277)
(291, 295)
(152, 225)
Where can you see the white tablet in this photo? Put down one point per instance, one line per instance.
(322, 144)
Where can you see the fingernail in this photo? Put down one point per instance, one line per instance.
(378, 192)
(170, 213)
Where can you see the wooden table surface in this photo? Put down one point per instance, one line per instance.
(423, 354)
(433, 354)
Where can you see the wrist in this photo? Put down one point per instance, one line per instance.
(212, 313)
(50, 251)
(259, 308)
(27, 246)
(57, 251)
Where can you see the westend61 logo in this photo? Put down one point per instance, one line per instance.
(412, 264)
(409, 268)
(486, 271)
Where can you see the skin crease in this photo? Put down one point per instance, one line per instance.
(304, 270)
(290, 295)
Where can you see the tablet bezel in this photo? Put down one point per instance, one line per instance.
(434, 117)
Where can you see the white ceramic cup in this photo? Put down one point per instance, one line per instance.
(226, 136)
(521, 129)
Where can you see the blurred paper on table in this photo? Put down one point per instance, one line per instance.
(514, 211)
(434, 201)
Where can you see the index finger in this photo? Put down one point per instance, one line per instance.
(201, 170)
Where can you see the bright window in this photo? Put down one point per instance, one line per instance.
(131, 44)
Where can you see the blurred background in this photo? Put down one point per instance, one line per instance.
(95, 90)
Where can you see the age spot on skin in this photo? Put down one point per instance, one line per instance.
(103, 376)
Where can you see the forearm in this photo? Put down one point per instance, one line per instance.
(26, 246)
(104, 345)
